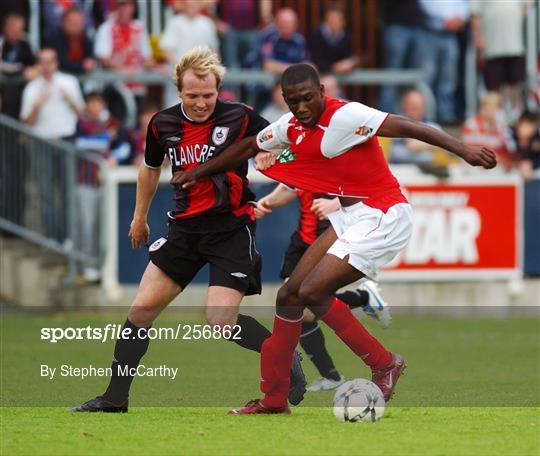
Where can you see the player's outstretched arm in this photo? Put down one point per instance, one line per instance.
(231, 158)
(280, 196)
(401, 127)
(147, 182)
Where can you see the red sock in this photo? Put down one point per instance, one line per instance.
(276, 359)
(340, 318)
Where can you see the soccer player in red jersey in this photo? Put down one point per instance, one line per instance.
(213, 223)
(313, 221)
(330, 146)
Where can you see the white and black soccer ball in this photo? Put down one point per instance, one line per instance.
(359, 400)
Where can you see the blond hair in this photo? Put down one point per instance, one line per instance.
(202, 61)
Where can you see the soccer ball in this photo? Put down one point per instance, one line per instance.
(359, 400)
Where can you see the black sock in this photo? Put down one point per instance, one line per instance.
(252, 334)
(127, 352)
(312, 341)
(353, 299)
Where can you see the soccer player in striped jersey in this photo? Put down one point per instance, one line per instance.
(213, 223)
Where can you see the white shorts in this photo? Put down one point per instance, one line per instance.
(370, 237)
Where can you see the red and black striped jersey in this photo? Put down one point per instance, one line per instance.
(218, 202)
(309, 225)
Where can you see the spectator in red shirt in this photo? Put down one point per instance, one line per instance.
(489, 128)
(122, 43)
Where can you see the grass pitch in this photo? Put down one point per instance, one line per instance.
(472, 387)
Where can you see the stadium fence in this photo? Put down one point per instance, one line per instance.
(51, 194)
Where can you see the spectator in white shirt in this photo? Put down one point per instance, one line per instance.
(183, 32)
(52, 102)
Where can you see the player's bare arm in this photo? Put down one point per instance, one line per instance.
(401, 127)
(231, 158)
(147, 182)
(279, 197)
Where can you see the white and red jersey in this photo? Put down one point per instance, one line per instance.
(339, 156)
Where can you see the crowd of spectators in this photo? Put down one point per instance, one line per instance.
(80, 36)
(41, 88)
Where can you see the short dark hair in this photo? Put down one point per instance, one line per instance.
(529, 116)
(94, 95)
(299, 73)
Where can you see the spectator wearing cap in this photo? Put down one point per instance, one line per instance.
(330, 45)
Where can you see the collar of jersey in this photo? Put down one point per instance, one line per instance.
(194, 121)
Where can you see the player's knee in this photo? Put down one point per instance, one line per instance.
(310, 295)
(142, 315)
(287, 297)
(220, 320)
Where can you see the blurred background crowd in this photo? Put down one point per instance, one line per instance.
(93, 72)
(78, 37)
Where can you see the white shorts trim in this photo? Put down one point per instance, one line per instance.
(370, 237)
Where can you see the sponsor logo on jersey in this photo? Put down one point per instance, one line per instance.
(286, 156)
(173, 139)
(189, 154)
(363, 131)
(219, 136)
(266, 136)
(157, 244)
(300, 138)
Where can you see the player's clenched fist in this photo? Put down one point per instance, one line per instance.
(139, 232)
(263, 160)
(321, 207)
(262, 208)
(181, 179)
(480, 156)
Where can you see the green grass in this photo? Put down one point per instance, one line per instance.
(433, 431)
(472, 387)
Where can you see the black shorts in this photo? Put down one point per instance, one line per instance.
(233, 257)
(297, 248)
(504, 70)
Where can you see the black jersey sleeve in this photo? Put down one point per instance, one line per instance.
(255, 122)
(153, 153)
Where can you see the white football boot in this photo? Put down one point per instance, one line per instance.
(326, 384)
(376, 306)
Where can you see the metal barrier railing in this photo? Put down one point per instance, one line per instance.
(51, 194)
